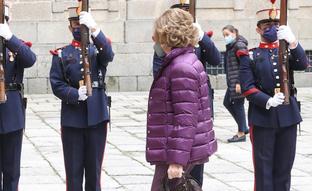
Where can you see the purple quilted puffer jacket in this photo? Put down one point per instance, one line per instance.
(179, 124)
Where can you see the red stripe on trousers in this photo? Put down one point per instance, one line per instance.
(251, 131)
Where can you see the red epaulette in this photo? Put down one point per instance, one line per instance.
(56, 51)
(109, 40)
(27, 43)
(209, 33)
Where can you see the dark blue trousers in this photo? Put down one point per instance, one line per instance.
(237, 110)
(10, 159)
(83, 150)
(274, 152)
(197, 173)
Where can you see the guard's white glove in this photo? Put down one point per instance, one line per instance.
(5, 31)
(82, 91)
(86, 18)
(276, 100)
(284, 33)
(201, 33)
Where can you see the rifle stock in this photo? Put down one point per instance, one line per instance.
(283, 56)
(2, 56)
(193, 9)
(85, 41)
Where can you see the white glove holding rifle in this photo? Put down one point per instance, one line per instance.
(276, 100)
(5, 31)
(285, 33)
(85, 18)
(82, 92)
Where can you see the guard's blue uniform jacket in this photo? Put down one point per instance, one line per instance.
(259, 76)
(65, 74)
(206, 52)
(18, 57)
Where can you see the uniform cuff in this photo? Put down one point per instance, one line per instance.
(294, 46)
(96, 33)
(268, 106)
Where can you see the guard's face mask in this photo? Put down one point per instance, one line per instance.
(270, 34)
(77, 34)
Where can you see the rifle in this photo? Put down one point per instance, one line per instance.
(85, 42)
(193, 9)
(2, 55)
(283, 56)
(109, 104)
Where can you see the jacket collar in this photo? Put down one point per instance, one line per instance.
(269, 45)
(177, 52)
(172, 55)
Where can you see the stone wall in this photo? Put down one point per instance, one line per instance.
(129, 23)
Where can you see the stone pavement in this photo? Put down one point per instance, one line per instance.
(230, 169)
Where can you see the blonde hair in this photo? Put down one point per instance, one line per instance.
(175, 29)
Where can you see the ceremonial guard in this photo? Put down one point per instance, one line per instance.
(273, 121)
(84, 118)
(206, 52)
(15, 58)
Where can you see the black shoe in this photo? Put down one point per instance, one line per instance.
(236, 138)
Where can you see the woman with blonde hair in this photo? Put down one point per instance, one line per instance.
(179, 124)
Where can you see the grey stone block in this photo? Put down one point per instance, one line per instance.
(31, 72)
(213, 81)
(25, 82)
(112, 83)
(105, 15)
(127, 84)
(44, 65)
(146, 9)
(303, 79)
(221, 82)
(139, 31)
(130, 65)
(49, 89)
(305, 34)
(113, 30)
(43, 49)
(60, 6)
(306, 43)
(26, 31)
(133, 48)
(239, 5)
(144, 83)
(54, 32)
(37, 85)
(215, 4)
(32, 11)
